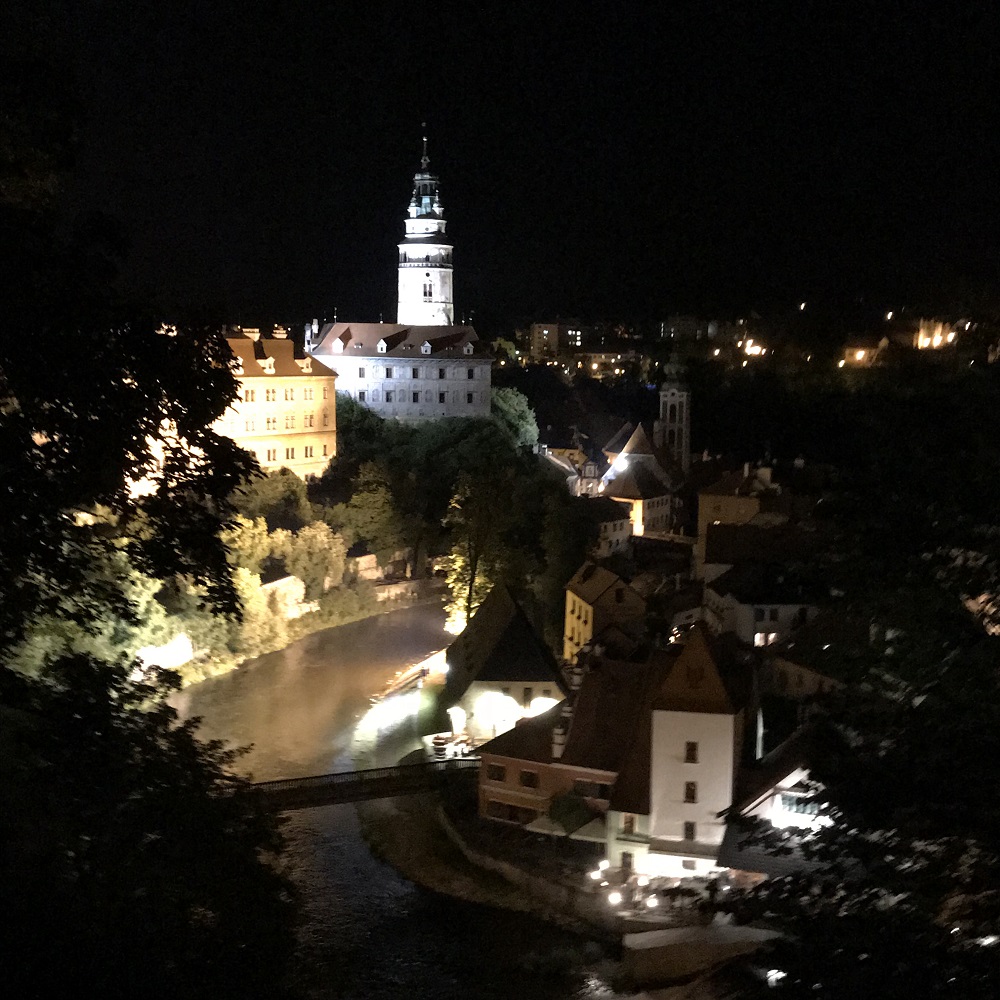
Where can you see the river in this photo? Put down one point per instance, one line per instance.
(369, 934)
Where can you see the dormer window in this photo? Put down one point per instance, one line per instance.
(338, 347)
(468, 349)
(425, 347)
(382, 346)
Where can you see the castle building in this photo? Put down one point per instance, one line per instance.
(286, 414)
(422, 367)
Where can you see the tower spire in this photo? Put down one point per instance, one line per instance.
(425, 160)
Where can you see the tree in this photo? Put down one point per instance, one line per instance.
(280, 497)
(511, 410)
(247, 542)
(371, 515)
(314, 554)
(132, 852)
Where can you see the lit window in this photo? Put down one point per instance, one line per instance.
(690, 791)
(249, 425)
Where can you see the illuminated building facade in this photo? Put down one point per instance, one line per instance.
(425, 265)
(286, 414)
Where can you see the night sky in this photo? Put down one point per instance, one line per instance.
(595, 161)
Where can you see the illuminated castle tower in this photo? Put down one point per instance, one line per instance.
(425, 276)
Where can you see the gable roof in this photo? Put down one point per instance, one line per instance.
(250, 352)
(590, 581)
(499, 644)
(640, 481)
(696, 683)
(362, 339)
(618, 440)
(638, 444)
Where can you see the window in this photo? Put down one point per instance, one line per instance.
(270, 395)
(758, 614)
(546, 692)
(308, 393)
(526, 696)
(324, 451)
(428, 289)
(289, 395)
(361, 373)
(468, 397)
(416, 397)
(307, 420)
(690, 791)
(765, 638)
(289, 453)
(688, 864)
(272, 454)
(496, 772)
(529, 779)
(388, 395)
(388, 371)
(628, 823)
(272, 423)
(249, 396)
(416, 373)
(441, 397)
(326, 390)
(289, 422)
(690, 831)
(627, 859)
(361, 398)
(249, 425)
(309, 451)
(472, 373)
(591, 789)
(772, 615)
(440, 373)
(690, 753)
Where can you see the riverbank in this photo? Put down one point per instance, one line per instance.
(423, 592)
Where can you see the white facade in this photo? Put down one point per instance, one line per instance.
(426, 296)
(409, 373)
(692, 770)
(759, 624)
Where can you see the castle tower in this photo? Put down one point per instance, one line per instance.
(425, 275)
(675, 415)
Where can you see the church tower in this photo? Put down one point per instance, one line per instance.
(675, 415)
(425, 276)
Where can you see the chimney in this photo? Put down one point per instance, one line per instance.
(279, 332)
(252, 332)
(561, 730)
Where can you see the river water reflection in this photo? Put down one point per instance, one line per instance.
(370, 934)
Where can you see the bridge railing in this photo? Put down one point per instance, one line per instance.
(399, 772)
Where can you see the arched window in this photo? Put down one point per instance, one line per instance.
(672, 414)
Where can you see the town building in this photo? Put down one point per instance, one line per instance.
(596, 600)
(636, 477)
(658, 756)
(286, 413)
(759, 604)
(422, 367)
(614, 526)
(499, 671)
(673, 431)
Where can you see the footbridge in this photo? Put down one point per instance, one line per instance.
(356, 786)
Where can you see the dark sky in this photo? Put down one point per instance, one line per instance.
(595, 160)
